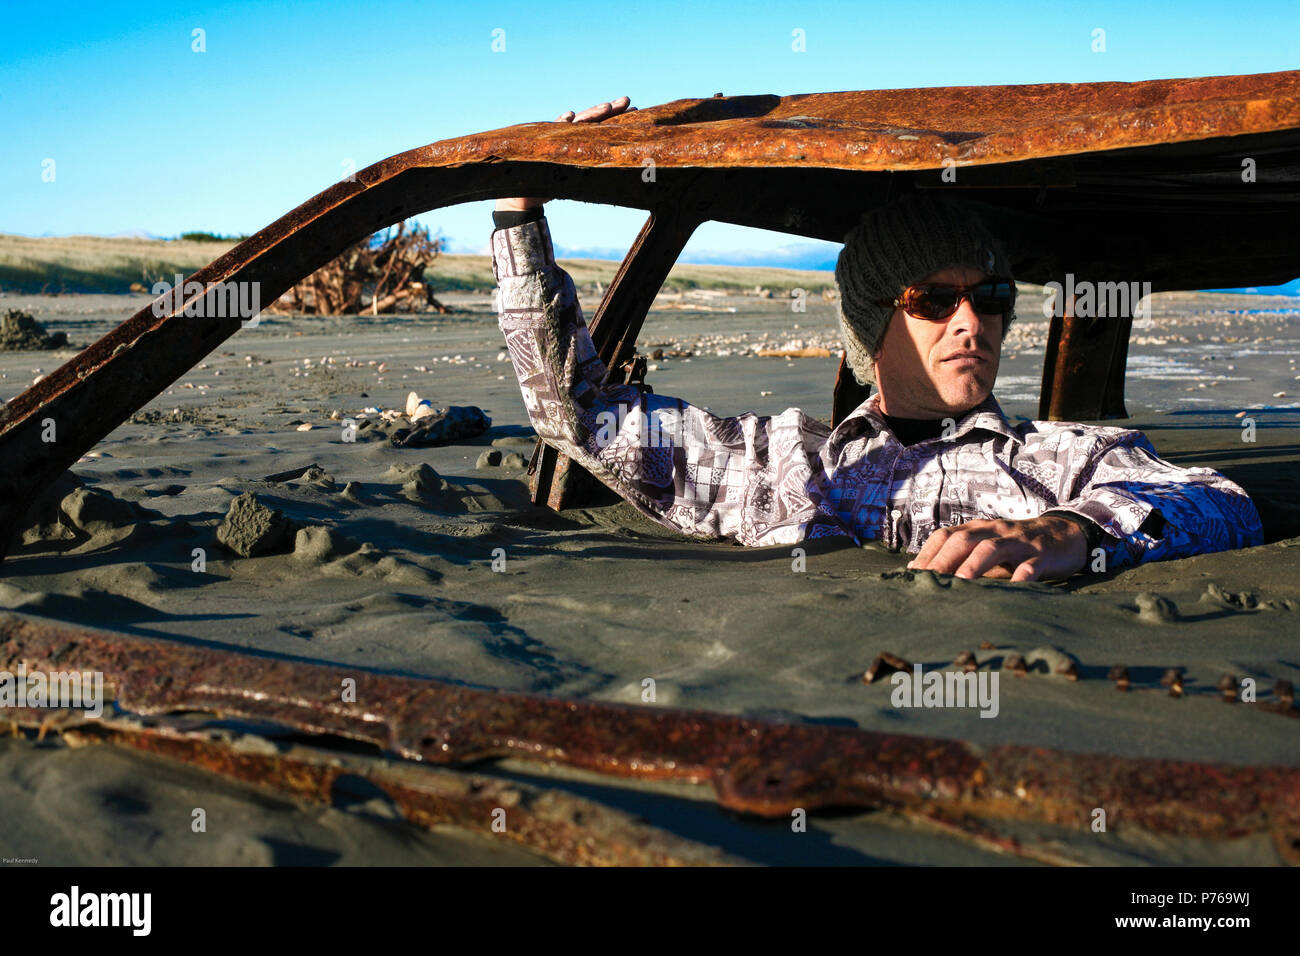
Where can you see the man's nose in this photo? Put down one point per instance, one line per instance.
(967, 321)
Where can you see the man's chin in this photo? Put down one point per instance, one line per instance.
(965, 393)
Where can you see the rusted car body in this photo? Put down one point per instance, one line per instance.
(1189, 183)
(1103, 181)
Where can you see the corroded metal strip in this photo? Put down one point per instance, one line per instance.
(563, 827)
(1083, 366)
(905, 129)
(754, 766)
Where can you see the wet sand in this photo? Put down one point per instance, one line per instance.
(593, 601)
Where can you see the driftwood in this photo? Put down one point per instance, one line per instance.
(386, 268)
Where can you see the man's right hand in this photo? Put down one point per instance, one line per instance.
(593, 114)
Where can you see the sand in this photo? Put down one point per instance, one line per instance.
(383, 558)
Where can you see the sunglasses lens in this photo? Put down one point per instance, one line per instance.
(938, 301)
(993, 298)
(932, 301)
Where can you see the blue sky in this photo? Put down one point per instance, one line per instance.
(149, 136)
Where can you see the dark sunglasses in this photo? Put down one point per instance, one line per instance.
(939, 300)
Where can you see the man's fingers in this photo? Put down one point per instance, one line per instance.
(987, 555)
(602, 110)
(1029, 570)
(1029, 550)
(932, 546)
(599, 111)
(957, 549)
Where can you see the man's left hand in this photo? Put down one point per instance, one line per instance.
(1045, 547)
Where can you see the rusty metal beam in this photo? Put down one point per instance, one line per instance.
(753, 766)
(1083, 366)
(562, 827)
(916, 129)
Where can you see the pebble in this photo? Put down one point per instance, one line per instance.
(1155, 609)
(1053, 660)
(1016, 664)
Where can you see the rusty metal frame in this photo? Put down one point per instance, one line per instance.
(754, 767)
(1062, 169)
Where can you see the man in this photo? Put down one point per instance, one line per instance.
(927, 463)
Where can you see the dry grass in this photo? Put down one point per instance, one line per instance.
(97, 264)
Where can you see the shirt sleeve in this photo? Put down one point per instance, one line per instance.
(1151, 510)
(746, 478)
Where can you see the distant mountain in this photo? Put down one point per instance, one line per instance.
(1290, 288)
(796, 256)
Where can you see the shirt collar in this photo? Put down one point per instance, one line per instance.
(867, 418)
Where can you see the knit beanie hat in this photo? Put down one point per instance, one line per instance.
(892, 247)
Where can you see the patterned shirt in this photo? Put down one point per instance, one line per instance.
(781, 479)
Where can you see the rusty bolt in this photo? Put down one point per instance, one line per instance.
(886, 663)
(966, 661)
(987, 646)
(1016, 664)
(1171, 675)
(1070, 669)
(1119, 674)
(1228, 686)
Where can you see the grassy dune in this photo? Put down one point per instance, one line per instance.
(96, 264)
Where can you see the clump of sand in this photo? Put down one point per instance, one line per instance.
(250, 528)
(20, 332)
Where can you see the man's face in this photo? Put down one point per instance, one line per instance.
(934, 369)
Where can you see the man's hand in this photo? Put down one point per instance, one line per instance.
(593, 114)
(1045, 547)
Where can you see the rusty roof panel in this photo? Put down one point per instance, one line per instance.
(900, 129)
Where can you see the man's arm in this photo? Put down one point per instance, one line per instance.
(1151, 510)
(694, 471)
(1141, 507)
